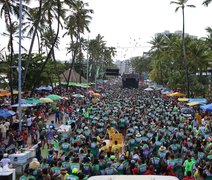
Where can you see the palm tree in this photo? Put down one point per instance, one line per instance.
(207, 2)
(209, 37)
(181, 4)
(76, 24)
(35, 19)
(11, 8)
(52, 10)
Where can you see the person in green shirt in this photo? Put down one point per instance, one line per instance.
(188, 164)
(95, 168)
(73, 176)
(94, 147)
(155, 161)
(55, 170)
(142, 167)
(24, 176)
(65, 146)
(74, 164)
(86, 166)
(44, 164)
(56, 144)
(66, 163)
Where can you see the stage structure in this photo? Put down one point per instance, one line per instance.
(130, 80)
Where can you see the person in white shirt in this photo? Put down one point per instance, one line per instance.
(5, 160)
(3, 130)
(29, 122)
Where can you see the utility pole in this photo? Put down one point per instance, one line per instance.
(19, 67)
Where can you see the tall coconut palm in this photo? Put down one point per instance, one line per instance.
(209, 37)
(207, 2)
(181, 4)
(52, 10)
(35, 18)
(10, 8)
(77, 23)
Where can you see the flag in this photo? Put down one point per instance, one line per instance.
(90, 69)
(97, 72)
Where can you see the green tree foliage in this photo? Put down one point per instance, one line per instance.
(164, 62)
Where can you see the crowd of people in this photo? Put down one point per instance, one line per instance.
(157, 138)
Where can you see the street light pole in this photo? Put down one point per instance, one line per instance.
(87, 65)
(19, 67)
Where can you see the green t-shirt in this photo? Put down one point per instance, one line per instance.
(188, 166)
(142, 168)
(72, 177)
(66, 165)
(65, 146)
(56, 145)
(56, 170)
(31, 177)
(23, 177)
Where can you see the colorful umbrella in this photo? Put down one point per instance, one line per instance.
(149, 89)
(183, 99)
(32, 101)
(46, 100)
(199, 100)
(193, 103)
(78, 95)
(54, 97)
(176, 94)
(5, 113)
(207, 108)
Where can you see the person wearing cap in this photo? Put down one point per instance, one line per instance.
(73, 175)
(162, 152)
(138, 139)
(5, 160)
(150, 170)
(169, 172)
(35, 164)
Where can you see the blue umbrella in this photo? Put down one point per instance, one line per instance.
(23, 105)
(5, 113)
(199, 100)
(207, 108)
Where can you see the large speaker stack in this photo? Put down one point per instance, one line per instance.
(130, 80)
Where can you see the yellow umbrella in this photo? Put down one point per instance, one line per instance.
(46, 100)
(4, 94)
(193, 103)
(182, 99)
(176, 94)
